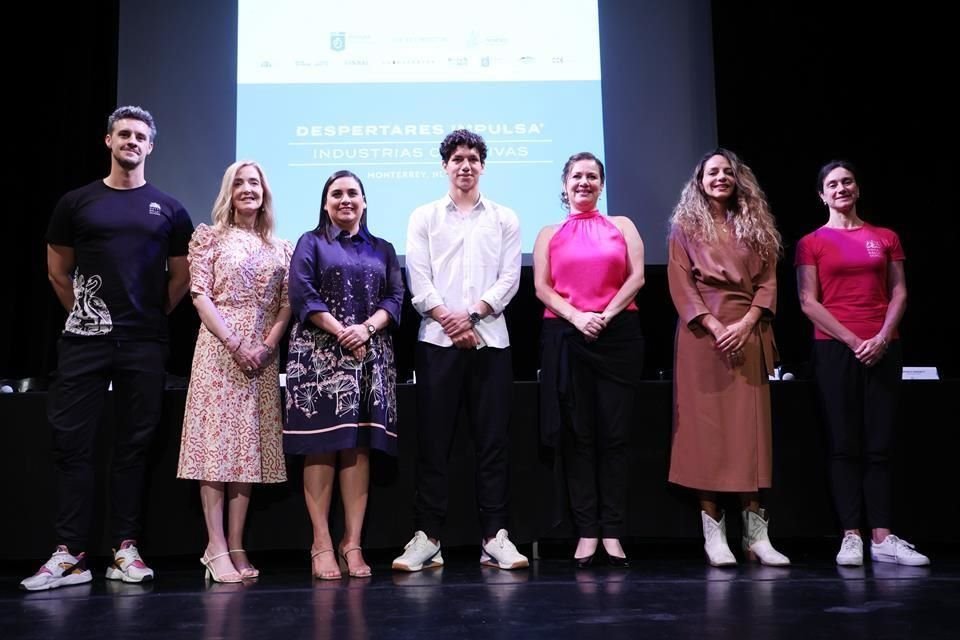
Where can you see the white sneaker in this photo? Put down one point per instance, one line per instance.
(419, 554)
(128, 565)
(61, 570)
(897, 551)
(851, 551)
(501, 553)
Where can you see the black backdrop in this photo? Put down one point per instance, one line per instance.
(796, 86)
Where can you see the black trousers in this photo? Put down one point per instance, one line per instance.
(860, 406)
(595, 451)
(86, 366)
(482, 380)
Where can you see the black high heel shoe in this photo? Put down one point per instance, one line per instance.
(618, 561)
(585, 562)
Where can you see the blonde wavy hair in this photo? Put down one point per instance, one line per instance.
(222, 214)
(753, 223)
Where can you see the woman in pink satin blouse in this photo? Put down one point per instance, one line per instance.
(588, 270)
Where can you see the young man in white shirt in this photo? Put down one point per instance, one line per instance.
(463, 266)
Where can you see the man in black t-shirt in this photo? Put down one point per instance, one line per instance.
(117, 260)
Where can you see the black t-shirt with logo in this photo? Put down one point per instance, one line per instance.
(122, 239)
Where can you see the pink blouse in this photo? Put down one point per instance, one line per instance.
(588, 262)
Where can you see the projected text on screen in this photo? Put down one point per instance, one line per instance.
(373, 86)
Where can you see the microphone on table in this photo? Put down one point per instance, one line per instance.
(780, 374)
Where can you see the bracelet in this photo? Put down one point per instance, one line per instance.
(226, 342)
(269, 349)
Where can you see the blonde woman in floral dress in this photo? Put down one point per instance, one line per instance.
(232, 429)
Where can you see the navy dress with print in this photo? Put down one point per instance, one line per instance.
(335, 401)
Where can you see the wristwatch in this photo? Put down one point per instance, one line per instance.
(371, 330)
(475, 317)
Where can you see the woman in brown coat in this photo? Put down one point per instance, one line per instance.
(722, 272)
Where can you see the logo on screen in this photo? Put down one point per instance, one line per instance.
(338, 41)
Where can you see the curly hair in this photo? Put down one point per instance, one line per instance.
(462, 137)
(222, 214)
(753, 223)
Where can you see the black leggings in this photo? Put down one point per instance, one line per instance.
(859, 405)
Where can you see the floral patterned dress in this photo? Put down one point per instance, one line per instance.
(334, 401)
(232, 429)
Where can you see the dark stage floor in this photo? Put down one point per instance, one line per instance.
(668, 593)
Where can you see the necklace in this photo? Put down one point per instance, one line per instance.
(723, 224)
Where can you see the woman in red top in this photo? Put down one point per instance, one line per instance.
(852, 287)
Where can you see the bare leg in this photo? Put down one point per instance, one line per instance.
(211, 500)
(238, 497)
(750, 501)
(613, 548)
(708, 503)
(318, 473)
(586, 547)
(879, 535)
(354, 488)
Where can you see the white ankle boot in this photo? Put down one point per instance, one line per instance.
(756, 543)
(715, 541)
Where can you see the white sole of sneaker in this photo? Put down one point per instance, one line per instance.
(900, 561)
(520, 564)
(66, 581)
(116, 574)
(411, 568)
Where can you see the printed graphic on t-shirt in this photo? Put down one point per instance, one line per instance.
(874, 248)
(90, 315)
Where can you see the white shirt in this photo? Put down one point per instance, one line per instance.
(456, 260)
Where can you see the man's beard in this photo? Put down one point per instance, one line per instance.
(127, 164)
